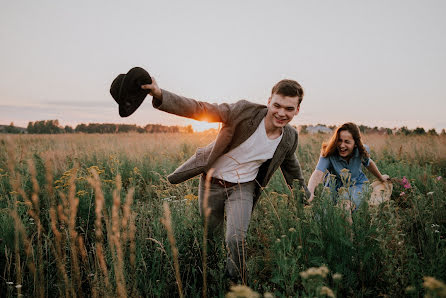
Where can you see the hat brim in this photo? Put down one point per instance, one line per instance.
(131, 104)
(131, 96)
(382, 192)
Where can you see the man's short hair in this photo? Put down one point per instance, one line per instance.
(289, 88)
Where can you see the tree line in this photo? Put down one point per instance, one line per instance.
(54, 127)
(305, 129)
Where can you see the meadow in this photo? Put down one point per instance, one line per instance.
(93, 215)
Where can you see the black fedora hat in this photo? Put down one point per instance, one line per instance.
(127, 92)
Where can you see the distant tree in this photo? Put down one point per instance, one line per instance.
(443, 132)
(303, 129)
(189, 129)
(404, 131)
(68, 129)
(81, 128)
(389, 131)
(11, 128)
(364, 128)
(419, 131)
(432, 132)
(30, 127)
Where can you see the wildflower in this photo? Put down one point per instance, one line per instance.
(292, 230)
(402, 193)
(81, 193)
(405, 182)
(304, 275)
(438, 178)
(242, 291)
(337, 276)
(327, 291)
(435, 285)
(136, 171)
(190, 197)
(277, 240)
(313, 271)
(10, 283)
(283, 236)
(430, 193)
(410, 289)
(299, 247)
(435, 226)
(18, 286)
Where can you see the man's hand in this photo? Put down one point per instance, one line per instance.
(153, 88)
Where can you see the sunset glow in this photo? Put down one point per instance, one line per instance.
(199, 126)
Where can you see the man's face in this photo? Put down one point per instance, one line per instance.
(282, 109)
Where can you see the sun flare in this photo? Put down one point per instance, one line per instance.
(199, 126)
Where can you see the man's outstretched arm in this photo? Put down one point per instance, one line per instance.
(182, 106)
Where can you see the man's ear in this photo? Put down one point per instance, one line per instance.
(269, 100)
(297, 110)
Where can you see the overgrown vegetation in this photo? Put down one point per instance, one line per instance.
(81, 216)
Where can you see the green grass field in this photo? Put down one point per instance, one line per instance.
(82, 215)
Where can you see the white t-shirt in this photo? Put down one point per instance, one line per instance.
(242, 163)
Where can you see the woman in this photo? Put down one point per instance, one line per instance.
(345, 151)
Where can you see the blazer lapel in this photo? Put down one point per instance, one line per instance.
(249, 128)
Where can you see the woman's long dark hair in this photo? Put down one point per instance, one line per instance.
(331, 147)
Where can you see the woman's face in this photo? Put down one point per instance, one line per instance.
(346, 144)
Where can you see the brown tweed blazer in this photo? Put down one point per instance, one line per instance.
(239, 121)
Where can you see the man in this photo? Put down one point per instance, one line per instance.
(253, 142)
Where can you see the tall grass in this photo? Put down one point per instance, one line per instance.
(83, 215)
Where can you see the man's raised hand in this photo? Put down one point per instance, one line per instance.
(153, 88)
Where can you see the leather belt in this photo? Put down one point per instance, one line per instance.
(222, 182)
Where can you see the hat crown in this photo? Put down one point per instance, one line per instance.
(126, 90)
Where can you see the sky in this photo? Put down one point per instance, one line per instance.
(378, 63)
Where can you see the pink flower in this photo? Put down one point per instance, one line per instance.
(438, 178)
(402, 193)
(405, 182)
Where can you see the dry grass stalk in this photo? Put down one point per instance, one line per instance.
(206, 213)
(60, 261)
(73, 203)
(132, 234)
(18, 224)
(126, 210)
(99, 203)
(39, 278)
(116, 241)
(167, 222)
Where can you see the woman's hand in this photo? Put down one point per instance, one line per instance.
(384, 178)
(315, 179)
(311, 198)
